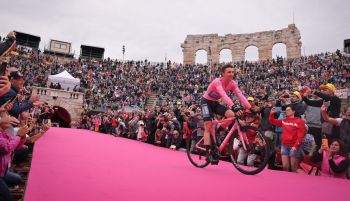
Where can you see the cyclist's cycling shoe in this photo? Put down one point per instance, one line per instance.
(215, 162)
(212, 158)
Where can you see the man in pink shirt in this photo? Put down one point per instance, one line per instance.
(218, 89)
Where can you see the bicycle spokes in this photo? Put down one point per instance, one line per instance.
(196, 151)
(251, 154)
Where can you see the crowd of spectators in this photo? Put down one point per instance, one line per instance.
(22, 122)
(299, 86)
(112, 85)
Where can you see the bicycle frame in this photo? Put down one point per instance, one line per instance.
(242, 135)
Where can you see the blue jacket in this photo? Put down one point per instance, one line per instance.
(18, 107)
(278, 129)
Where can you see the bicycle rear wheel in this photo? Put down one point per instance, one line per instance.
(254, 158)
(195, 149)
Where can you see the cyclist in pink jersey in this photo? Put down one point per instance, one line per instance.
(218, 89)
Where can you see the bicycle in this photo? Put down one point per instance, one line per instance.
(249, 154)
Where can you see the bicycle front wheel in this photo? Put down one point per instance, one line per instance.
(252, 158)
(195, 149)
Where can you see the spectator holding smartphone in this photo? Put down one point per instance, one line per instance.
(8, 144)
(293, 132)
(343, 123)
(293, 99)
(313, 116)
(328, 95)
(334, 161)
(17, 83)
(344, 127)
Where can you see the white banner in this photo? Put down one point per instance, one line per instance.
(342, 93)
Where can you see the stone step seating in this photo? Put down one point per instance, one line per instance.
(23, 170)
(151, 101)
(164, 100)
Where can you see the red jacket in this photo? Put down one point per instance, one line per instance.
(293, 130)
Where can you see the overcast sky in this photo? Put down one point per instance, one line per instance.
(154, 29)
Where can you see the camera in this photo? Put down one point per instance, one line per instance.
(286, 96)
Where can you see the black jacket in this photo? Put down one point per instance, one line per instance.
(334, 108)
(18, 107)
(299, 106)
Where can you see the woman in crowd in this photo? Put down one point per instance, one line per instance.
(8, 144)
(334, 161)
(293, 132)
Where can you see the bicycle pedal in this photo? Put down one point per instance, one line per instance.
(215, 162)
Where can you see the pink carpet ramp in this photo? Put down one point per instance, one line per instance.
(74, 165)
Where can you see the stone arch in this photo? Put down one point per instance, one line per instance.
(71, 102)
(279, 49)
(225, 55)
(236, 42)
(67, 106)
(251, 53)
(62, 117)
(201, 56)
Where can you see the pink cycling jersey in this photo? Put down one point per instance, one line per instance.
(216, 90)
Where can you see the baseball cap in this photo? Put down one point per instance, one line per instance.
(297, 94)
(328, 86)
(250, 99)
(15, 75)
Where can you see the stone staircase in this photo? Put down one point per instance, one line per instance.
(17, 194)
(151, 101)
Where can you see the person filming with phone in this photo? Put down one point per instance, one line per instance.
(17, 83)
(344, 128)
(293, 132)
(333, 160)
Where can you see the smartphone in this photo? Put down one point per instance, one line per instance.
(46, 121)
(13, 99)
(3, 67)
(325, 142)
(9, 101)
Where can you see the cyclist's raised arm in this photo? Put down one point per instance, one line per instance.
(240, 95)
